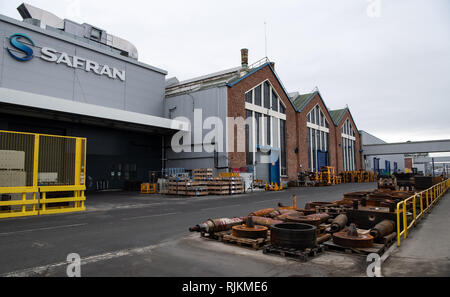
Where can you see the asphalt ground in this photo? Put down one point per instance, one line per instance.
(129, 234)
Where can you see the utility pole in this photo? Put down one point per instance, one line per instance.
(432, 161)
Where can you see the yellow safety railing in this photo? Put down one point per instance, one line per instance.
(419, 204)
(41, 174)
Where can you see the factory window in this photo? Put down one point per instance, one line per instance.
(249, 97)
(348, 146)
(248, 141)
(267, 95)
(258, 127)
(283, 147)
(269, 127)
(318, 139)
(267, 119)
(282, 108)
(258, 95)
(274, 101)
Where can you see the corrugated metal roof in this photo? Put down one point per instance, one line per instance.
(337, 115)
(302, 100)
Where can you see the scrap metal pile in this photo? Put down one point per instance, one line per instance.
(327, 177)
(362, 222)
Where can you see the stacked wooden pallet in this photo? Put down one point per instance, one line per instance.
(226, 186)
(202, 174)
(187, 187)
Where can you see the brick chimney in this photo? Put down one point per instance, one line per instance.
(244, 58)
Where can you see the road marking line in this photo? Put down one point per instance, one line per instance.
(150, 216)
(88, 260)
(42, 229)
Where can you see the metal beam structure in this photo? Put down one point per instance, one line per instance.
(434, 146)
(424, 160)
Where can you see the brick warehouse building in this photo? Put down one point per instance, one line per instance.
(297, 127)
(127, 109)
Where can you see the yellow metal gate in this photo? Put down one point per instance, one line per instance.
(41, 174)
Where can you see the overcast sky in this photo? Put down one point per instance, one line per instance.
(391, 65)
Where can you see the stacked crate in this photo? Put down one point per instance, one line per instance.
(186, 187)
(202, 174)
(226, 186)
(12, 174)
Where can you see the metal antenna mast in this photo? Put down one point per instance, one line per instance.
(265, 37)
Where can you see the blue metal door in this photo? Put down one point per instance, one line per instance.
(388, 167)
(322, 159)
(376, 165)
(275, 172)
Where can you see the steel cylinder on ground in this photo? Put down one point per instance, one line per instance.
(293, 235)
(262, 213)
(254, 232)
(382, 229)
(339, 223)
(217, 225)
(285, 214)
(267, 222)
(298, 218)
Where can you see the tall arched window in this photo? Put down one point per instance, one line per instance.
(264, 104)
(318, 139)
(348, 146)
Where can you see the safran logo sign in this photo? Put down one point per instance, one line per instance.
(23, 52)
(16, 41)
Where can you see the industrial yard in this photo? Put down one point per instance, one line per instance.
(295, 142)
(152, 239)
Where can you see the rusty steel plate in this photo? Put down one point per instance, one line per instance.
(255, 232)
(360, 241)
(296, 218)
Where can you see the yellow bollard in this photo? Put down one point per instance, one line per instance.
(276, 188)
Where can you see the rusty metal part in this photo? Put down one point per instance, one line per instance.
(267, 222)
(298, 218)
(323, 217)
(262, 213)
(217, 225)
(323, 238)
(387, 182)
(339, 223)
(274, 214)
(352, 239)
(382, 229)
(313, 205)
(284, 216)
(308, 211)
(254, 232)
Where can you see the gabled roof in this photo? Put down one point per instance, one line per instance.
(252, 71)
(301, 100)
(337, 115)
(227, 78)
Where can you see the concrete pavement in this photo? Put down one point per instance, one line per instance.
(121, 233)
(426, 251)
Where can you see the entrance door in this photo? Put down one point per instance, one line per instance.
(275, 172)
(388, 167)
(376, 165)
(322, 159)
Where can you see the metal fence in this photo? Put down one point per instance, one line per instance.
(41, 174)
(417, 206)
